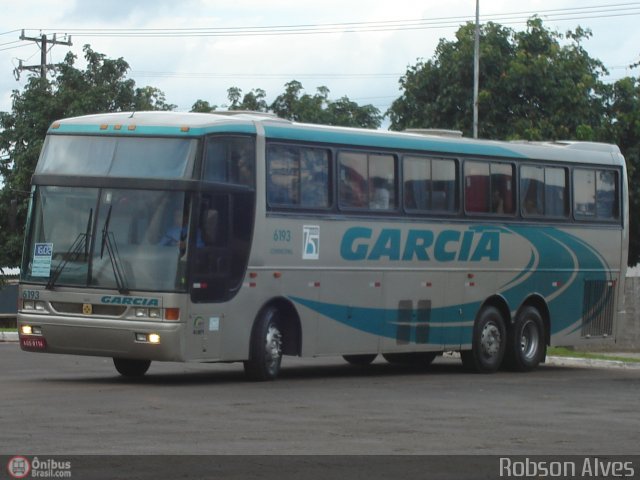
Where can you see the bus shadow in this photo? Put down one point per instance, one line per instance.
(234, 374)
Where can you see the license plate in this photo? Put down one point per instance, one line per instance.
(33, 343)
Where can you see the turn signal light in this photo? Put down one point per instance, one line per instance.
(172, 314)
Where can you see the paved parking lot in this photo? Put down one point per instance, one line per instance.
(78, 405)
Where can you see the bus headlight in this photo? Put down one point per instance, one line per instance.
(37, 305)
(153, 338)
(142, 312)
(154, 313)
(30, 330)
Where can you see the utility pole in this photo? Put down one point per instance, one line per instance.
(476, 70)
(45, 45)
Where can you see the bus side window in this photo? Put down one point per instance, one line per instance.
(476, 191)
(531, 186)
(230, 160)
(489, 187)
(213, 224)
(209, 226)
(595, 194)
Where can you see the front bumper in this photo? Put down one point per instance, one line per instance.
(103, 337)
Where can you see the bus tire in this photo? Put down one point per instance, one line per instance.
(131, 368)
(265, 350)
(415, 359)
(360, 360)
(526, 345)
(488, 343)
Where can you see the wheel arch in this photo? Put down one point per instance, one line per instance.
(536, 301)
(289, 323)
(499, 302)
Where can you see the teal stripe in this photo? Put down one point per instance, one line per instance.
(373, 138)
(559, 254)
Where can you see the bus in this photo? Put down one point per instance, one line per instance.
(242, 237)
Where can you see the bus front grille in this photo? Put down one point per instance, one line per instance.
(96, 309)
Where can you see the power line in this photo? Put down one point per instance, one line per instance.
(566, 14)
(272, 76)
(18, 46)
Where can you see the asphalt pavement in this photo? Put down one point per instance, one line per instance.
(623, 359)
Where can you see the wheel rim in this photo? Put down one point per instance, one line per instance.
(273, 348)
(529, 340)
(490, 340)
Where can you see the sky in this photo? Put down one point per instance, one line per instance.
(197, 49)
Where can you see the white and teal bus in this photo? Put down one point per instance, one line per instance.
(244, 237)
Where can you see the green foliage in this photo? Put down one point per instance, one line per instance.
(294, 104)
(101, 87)
(253, 101)
(535, 84)
(202, 106)
(622, 127)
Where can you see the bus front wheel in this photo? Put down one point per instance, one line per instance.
(526, 347)
(488, 343)
(131, 368)
(265, 351)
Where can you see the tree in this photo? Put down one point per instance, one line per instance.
(101, 87)
(252, 101)
(531, 85)
(318, 108)
(535, 84)
(622, 127)
(202, 106)
(294, 104)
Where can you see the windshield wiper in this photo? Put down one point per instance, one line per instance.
(105, 230)
(73, 253)
(109, 241)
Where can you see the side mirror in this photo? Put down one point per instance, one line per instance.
(13, 214)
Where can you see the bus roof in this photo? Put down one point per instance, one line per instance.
(160, 123)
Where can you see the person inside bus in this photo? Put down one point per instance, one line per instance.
(497, 202)
(380, 196)
(176, 234)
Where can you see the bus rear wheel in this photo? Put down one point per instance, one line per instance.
(131, 368)
(360, 360)
(265, 351)
(526, 346)
(488, 343)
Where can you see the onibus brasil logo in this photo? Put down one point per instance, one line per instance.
(21, 467)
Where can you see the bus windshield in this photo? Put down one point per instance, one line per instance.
(108, 238)
(136, 157)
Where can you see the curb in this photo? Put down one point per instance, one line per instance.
(590, 362)
(8, 336)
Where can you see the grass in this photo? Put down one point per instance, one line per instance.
(8, 329)
(567, 352)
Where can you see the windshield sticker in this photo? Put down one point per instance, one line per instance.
(311, 242)
(41, 266)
